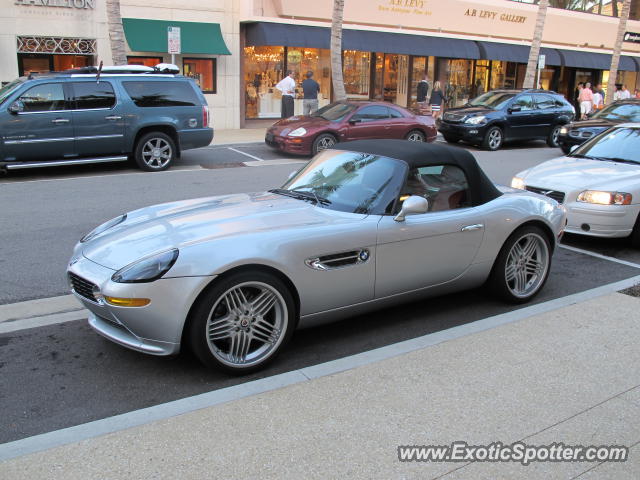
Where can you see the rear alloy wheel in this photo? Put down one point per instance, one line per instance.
(415, 136)
(522, 267)
(242, 322)
(155, 151)
(493, 139)
(552, 139)
(451, 139)
(322, 142)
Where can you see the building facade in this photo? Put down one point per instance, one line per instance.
(237, 50)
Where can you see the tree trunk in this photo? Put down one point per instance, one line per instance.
(336, 50)
(116, 33)
(615, 58)
(535, 45)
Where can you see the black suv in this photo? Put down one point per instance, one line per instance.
(500, 115)
(577, 133)
(95, 115)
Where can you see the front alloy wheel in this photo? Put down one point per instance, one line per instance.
(322, 142)
(243, 322)
(416, 136)
(493, 139)
(552, 140)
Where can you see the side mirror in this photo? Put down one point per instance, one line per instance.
(16, 107)
(414, 205)
(515, 108)
(573, 147)
(353, 121)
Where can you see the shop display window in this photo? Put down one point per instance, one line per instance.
(146, 61)
(356, 67)
(203, 71)
(263, 69)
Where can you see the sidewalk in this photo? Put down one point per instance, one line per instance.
(569, 375)
(239, 135)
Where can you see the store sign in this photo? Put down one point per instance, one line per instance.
(631, 37)
(173, 39)
(78, 4)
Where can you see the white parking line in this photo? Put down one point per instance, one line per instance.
(246, 154)
(603, 257)
(163, 411)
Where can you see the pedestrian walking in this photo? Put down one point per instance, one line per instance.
(287, 87)
(436, 99)
(598, 101)
(422, 90)
(576, 96)
(586, 101)
(310, 89)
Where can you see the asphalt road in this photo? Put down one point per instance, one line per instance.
(63, 375)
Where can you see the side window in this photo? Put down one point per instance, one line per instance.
(161, 94)
(525, 102)
(393, 113)
(369, 114)
(545, 102)
(46, 97)
(444, 186)
(90, 95)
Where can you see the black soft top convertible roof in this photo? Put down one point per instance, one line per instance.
(418, 154)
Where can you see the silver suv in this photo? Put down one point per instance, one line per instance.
(96, 115)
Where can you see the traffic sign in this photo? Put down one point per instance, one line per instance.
(541, 60)
(173, 40)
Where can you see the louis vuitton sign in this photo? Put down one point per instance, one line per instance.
(77, 4)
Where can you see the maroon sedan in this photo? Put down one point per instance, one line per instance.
(343, 121)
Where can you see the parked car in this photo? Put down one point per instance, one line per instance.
(500, 115)
(348, 120)
(576, 133)
(364, 225)
(599, 183)
(95, 115)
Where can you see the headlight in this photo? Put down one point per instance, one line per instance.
(148, 269)
(298, 132)
(604, 198)
(563, 130)
(517, 182)
(103, 228)
(475, 120)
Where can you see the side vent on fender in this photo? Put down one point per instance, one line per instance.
(338, 260)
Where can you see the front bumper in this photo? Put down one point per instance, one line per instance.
(607, 221)
(469, 133)
(295, 145)
(568, 141)
(155, 328)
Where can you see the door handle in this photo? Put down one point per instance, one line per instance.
(113, 117)
(471, 228)
(60, 120)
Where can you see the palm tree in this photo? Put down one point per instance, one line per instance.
(336, 50)
(116, 33)
(615, 58)
(535, 44)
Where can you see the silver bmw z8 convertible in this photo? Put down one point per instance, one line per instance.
(363, 225)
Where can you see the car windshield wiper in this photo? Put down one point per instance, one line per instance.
(302, 195)
(622, 160)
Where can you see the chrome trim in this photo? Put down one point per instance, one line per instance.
(336, 260)
(92, 137)
(18, 166)
(135, 75)
(44, 111)
(39, 140)
(470, 228)
(60, 120)
(113, 117)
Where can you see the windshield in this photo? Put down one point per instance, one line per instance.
(334, 112)
(492, 99)
(7, 89)
(620, 113)
(618, 144)
(351, 182)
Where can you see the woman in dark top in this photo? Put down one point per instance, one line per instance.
(436, 99)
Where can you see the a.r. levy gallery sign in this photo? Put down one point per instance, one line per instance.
(79, 4)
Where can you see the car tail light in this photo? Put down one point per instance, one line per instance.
(205, 116)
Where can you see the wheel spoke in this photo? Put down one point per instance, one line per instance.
(235, 299)
(510, 272)
(529, 248)
(263, 303)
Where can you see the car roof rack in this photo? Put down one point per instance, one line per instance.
(161, 68)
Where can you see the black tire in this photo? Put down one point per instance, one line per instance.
(493, 139)
(415, 136)
(155, 152)
(635, 234)
(565, 149)
(451, 138)
(322, 142)
(552, 139)
(498, 282)
(214, 316)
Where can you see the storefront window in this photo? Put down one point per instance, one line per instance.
(316, 60)
(483, 72)
(203, 71)
(458, 83)
(356, 73)
(38, 63)
(498, 74)
(146, 61)
(379, 77)
(263, 69)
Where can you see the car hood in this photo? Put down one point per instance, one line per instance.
(286, 125)
(594, 123)
(470, 110)
(176, 225)
(569, 173)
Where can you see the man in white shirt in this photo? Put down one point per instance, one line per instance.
(287, 87)
(624, 94)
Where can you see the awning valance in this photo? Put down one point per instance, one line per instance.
(151, 36)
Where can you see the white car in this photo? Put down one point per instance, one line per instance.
(598, 183)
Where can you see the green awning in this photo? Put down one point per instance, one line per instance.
(151, 36)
